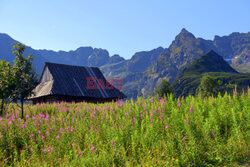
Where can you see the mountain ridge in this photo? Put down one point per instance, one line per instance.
(185, 49)
(144, 69)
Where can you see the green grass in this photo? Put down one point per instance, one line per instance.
(148, 132)
(188, 84)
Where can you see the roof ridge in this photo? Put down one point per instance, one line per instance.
(69, 65)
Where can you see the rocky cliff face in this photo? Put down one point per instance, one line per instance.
(186, 48)
(235, 47)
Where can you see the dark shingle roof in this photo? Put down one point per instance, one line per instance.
(72, 81)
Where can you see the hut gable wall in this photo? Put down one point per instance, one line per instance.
(46, 76)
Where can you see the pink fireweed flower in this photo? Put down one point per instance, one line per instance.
(57, 136)
(24, 126)
(41, 115)
(80, 152)
(187, 121)
(113, 142)
(50, 149)
(38, 131)
(191, 109)
(73, 144)
(10, 122)
(213, 133)
(44, 150)
(162, 101)
(47, 133)
(43, 137)
(162, 117)
(184, 139)
(27, 116)
(126, 113)
(34, 118)
(92, 148)
(153, 100)
(51, 128)
(179, 104)
(31, 135)
(31, 149)
(166, 127)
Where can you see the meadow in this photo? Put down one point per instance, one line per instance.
(147, 132)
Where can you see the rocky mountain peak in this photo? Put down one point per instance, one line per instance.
(184, 38)
(185, 34)
(115, 59)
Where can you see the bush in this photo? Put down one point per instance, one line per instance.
(208, 86)
(164, 89)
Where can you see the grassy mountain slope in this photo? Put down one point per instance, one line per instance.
(189, 78)
(209, 62)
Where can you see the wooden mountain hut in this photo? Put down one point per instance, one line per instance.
(68, 83)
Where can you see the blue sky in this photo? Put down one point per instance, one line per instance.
(120, 26)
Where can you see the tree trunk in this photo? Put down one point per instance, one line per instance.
(2, 106)
(22, 107)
